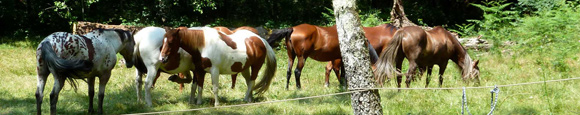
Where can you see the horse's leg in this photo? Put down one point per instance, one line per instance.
(298, 71)
(327, 71)
(411, 72)
(58, 84)
(291, 57)
(215, 77)
(185, 76)
(149, 80)
(91, 83)
(249, 83)
(199, 75)
(428, 78)
(43, 73)
(419, 74)
(337, 68)
(138, 84)
(155, 80)
(399, 66)
(342, 79)
(234, 77)
(441, 72)
(103, 80)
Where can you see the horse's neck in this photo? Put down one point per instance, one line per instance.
(111, 40)
(463, 59)
(192, 40)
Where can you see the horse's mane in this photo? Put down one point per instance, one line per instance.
(467, 61)
(194, 38)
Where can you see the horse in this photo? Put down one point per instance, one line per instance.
(148, 42)
(71, 57)
(378, 36)
(318, 43)
(423, 49)
(217, 53)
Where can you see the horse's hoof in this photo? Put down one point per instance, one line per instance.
(173, 78)
(326, 85)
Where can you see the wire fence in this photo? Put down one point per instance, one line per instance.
(494, 101)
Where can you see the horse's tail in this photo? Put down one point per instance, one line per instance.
(278, 35)
(385, 64)
(63, 67)
(268, 76)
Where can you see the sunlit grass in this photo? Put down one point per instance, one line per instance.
(18, 76)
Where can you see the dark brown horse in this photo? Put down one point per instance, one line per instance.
(378, 36)
(423, 49)
(305, 40)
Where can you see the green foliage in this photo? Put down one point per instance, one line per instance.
(465, 30)
(495, 15)
(539, 5)
(368, 19)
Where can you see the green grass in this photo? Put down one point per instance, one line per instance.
(18, 76)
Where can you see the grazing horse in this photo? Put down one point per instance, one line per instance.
(423, 49)
(318, 43)
(378, 36)
(218, 53)
(148, 42)
(69, 56)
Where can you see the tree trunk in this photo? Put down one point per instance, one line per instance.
(356, 59)
(398, 17)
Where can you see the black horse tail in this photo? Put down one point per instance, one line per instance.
(372, 53)
(278, 35)
(63, 67)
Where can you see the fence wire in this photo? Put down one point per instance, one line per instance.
(494, 101)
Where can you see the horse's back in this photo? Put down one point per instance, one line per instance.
(380, 36)
(70, 46)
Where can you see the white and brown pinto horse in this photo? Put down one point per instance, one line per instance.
(148, 42)
(69, 56)
(217, 53)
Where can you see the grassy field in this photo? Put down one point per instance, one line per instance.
(498, 66)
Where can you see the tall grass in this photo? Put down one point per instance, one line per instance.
(545, 48)
(18, 78)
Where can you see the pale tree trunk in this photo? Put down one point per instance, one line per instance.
(356, 59)
(398, 17)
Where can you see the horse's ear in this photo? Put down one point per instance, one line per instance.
(475, 63)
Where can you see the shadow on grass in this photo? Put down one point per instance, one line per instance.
(17, 105)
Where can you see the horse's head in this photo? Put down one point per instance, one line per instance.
(171, 44)
(127, 48)
(472, 72)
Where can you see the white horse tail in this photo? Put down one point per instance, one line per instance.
(63, 67)
(271, 66)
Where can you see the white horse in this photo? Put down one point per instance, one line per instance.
(148, 42)
(69, 56)
(218, 53)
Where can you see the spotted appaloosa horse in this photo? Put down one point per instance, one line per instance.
(423, 49)
(218, 53)
(318, 43)
(148, 42)
(69, 56)
(378, 36)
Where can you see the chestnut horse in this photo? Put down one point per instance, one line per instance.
(423, 49)
(318, 43)
(218, 53)
(379, 37)
(71, 57)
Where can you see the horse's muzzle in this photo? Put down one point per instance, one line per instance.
(163, 59)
